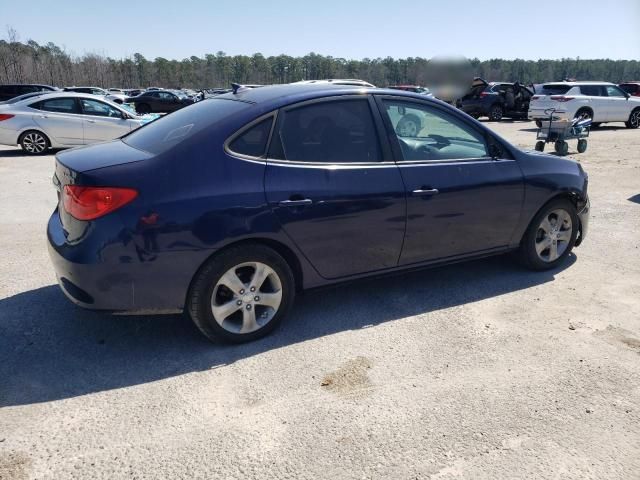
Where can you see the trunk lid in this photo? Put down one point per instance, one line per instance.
(91, 157)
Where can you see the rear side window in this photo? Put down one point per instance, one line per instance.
(166, 132)
(555, 89)
(253, 141)
(58, 105)
(592, 90)
(339, 131)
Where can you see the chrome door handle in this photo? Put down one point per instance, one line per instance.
(91, 121)
(425, 191)
(295, 203)
(44, 116)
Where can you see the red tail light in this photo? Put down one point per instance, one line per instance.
(561, 98)
(5, 116)
(89, 203)
(484, 94)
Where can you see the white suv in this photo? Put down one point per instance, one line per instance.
(600, 101)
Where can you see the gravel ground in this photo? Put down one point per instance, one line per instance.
(475, 371)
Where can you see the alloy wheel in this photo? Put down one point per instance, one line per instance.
(553, 235)
(634, 121)
(34, 143)
(246, 297)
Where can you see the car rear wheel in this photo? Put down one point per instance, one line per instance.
(583, 113)
(634, 119)
(550, 236)
(34, 142)
(242, 294)
(496, 113)
(143, 109)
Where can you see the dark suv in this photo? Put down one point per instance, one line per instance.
(7, 92)
(496, 100)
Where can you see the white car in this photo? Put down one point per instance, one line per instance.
(600, 101)
(115, 97)
(59, 120)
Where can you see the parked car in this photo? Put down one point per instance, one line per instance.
(160, 101)
(632, 88)
(7, 92)
(66, 119)
(290, 187)
(496, 100)
(100, 92)
(411, 88)
(599, 101)
(132, 92)
(20, 98)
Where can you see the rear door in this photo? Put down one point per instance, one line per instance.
(334, 187)
(460, 200)
(102, 121)
(60, 119)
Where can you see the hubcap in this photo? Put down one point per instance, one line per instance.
(246, 297)
(635, 118)
(34, 143)
(497, 113)
(553, 235)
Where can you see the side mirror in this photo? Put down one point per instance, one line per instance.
(495, 151)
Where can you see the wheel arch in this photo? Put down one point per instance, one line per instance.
(570, 195)
(585, 109)
(283, 250)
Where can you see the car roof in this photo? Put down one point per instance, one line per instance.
(574, 84)
(49, 95)
(277, 95)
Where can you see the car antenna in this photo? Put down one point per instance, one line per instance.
(235, 87)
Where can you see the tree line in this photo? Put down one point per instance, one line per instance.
(31, 62)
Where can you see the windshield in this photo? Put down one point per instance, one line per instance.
(168, 131)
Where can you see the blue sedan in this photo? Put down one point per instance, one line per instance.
(227, 208)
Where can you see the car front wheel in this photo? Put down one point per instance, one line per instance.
(634, 119)
(496, 113)
(550, 236)
(242, 294)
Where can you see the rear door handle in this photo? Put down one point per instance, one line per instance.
(425, 191)
(295, 203)
(91, 121)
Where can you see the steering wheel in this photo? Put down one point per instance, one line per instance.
(440, 140)
(427, 150)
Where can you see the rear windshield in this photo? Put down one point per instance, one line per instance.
(552, 89)
(162, 134)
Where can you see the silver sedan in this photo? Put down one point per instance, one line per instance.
(59, 120)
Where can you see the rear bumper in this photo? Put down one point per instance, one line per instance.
(116, 275)
(539, 114)
(8, 136)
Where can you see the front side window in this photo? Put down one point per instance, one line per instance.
(334, 131)
(58, 105)
(253, 141)
(100, 109)
(613, 91)
(426, 133)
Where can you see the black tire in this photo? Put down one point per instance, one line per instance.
(634, 119)
(34, 142)
(496, 112)
(582, 145)
(539, 123)
(475, 115)
(143, 108)
(561, 147)
(540, 146)
(584, 113)
(199, 300)
(596, 125)
(527, 253)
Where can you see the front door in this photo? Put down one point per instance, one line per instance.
(618, 107)
(460, 200)
(102, 121)
(328, 183)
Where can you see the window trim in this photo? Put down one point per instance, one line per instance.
(395, 144)
(386, 157)
(262, 158)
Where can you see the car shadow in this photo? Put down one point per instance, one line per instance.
(635, 198)
(52, 350)
(18, 152)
